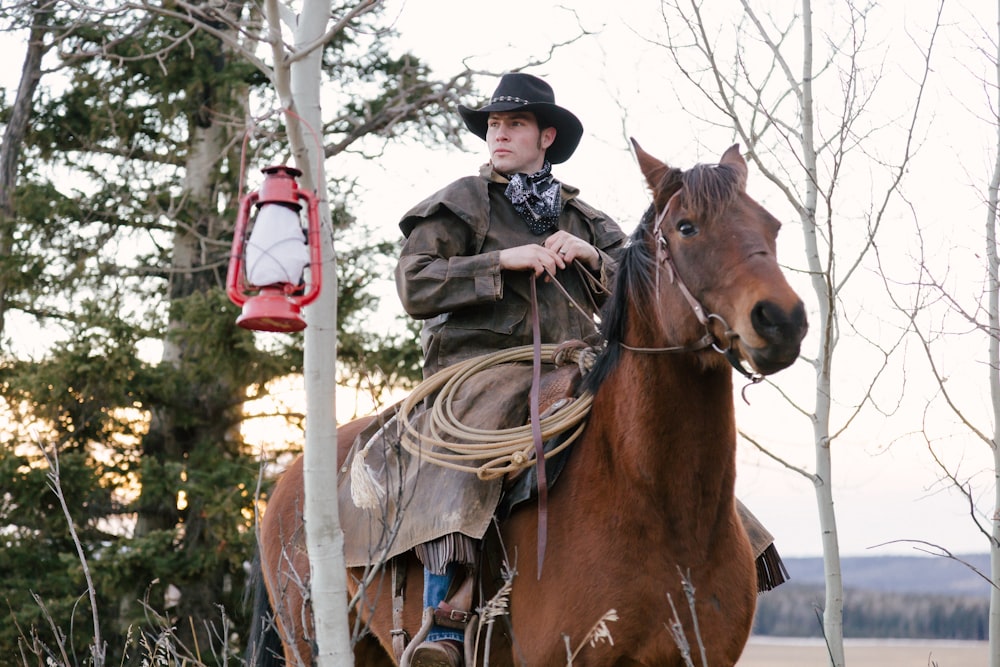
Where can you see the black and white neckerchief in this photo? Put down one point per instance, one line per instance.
(537, 198)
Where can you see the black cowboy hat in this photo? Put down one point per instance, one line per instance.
(523, 92)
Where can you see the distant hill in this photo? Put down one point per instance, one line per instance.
(901, 574)
(884, 597)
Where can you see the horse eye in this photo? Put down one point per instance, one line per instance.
(686, 228)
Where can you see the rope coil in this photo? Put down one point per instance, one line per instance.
(504, 450)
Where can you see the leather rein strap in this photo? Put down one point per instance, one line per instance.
(536, 428)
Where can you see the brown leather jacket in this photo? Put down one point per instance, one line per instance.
(449, 273)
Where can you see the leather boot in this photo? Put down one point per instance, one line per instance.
(443, 653)
(451, 613)
(455, 611)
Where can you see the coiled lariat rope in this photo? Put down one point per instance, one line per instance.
(504, 450)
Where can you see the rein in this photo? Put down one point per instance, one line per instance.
(536, 429)
(665, 261)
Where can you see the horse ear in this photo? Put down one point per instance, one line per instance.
(653, 169)
(734, 159)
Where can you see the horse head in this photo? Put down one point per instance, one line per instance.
(717, 278)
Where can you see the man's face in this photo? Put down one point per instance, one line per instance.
(515, 143)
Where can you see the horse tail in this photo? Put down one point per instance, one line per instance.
(264, 648)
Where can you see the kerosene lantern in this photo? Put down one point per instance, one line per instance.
(270, 252)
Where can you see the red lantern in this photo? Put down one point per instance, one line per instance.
(266, 266)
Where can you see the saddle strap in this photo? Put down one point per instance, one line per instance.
(399, 638)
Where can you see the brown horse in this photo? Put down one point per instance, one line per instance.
(643, 521)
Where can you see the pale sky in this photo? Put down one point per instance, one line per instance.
(886, 486)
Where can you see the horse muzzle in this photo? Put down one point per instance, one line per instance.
(780, 331)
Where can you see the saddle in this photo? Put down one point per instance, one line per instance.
(431, 494)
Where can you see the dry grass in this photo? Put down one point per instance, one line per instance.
(766, 652)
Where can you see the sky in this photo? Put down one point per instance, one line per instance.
(888, 493)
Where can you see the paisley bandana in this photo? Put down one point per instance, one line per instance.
(537, 198)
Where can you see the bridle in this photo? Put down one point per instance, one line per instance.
(665, 263)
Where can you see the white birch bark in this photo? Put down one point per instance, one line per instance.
(993, 285)
(833, 610)
(298, 82)
(324, 537)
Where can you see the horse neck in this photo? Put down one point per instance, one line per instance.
(668, 431)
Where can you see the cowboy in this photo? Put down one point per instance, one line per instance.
(470, 254)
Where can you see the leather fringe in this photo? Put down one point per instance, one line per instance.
(451, 548)
(771, 570)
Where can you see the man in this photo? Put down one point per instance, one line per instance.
(471, 252)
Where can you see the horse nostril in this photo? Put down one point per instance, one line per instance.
(777, 325)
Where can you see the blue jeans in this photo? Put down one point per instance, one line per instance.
(435, 589)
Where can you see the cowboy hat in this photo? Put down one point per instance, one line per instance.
(523, 92)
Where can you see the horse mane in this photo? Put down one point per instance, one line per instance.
(635, 277)
(706, 190)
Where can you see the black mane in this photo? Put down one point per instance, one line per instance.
(634, 279)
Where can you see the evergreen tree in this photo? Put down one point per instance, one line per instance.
(127, 182)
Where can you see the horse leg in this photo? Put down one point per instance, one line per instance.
(295, 626)
(375, 604)
(368, 652)
(264, 646)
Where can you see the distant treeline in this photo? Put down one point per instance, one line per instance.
(794, 611)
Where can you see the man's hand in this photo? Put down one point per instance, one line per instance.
(532, 257)
(557, 252)
(572, 248)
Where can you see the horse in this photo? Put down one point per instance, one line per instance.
(647, 562)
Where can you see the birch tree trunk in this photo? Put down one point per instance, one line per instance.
(833, 610)
(324, 537)
(993, 285)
